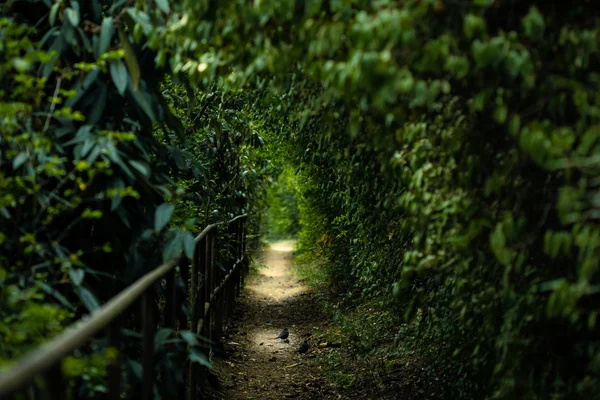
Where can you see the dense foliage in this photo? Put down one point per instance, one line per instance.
(450, 147)
(281, 216)
(468, 174)
(108, 166)
(447, 152)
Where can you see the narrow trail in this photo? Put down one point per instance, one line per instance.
(258, 366)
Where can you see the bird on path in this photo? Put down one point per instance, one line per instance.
(303, 347)
(284, 334)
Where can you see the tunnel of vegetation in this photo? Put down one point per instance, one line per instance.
(445, 157)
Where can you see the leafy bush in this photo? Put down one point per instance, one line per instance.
(106, 170)
(452, 149)
(281, 215)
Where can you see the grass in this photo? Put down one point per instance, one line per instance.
(256, 263)
(312, 271)
(374, 357)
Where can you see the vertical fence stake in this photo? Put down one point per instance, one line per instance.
(170, 310)
(148, 328)
(185, 273)
(245, 251)
(194, 291)
(227, 285)
(197, 308)
(171, 300)
(218, 310)
(114, 369)
(207, 287)
(203, 263)
(55, 382)
(201, 278)
(183, 319)
(238, 256)
(210, 278)
(193, 305)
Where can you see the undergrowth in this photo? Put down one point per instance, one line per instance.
(377, 349)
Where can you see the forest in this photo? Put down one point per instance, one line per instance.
(437, 163)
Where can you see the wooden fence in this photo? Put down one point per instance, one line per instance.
(210, 293)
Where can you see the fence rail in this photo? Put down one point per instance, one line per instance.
(210, 292)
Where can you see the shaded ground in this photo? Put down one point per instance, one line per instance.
(257, 366)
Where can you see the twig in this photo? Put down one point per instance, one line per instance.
(71, 225)
(52, 194)
(228, 183)
(52, 105)
(201, 113)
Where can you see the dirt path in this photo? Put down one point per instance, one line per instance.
(257, 366)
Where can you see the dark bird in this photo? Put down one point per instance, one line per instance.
(303, 347)
(284, 334)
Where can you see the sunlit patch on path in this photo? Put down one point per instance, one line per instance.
(258, 366)
(277, 281)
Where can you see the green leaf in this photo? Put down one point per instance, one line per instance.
(500, 113)
(106, 33)
(22, 65)
(76, 275)
(130, 60)
(515, 125)
(198, 356)
(4, 212)
(312, 7)
(161, 337)
(420, 94)
(498, 244)
(81, 90)
(118, 73)
(533, 24)
(116, 7)
(99, 105)
(189, 245)
(473, 26)
(86, 147)
(143, 21)
(163, 5)
(136, 368)
(133, 334)
(72, 16)
(592, 320)
(551, 285)
(88, 299)
(54, 293)
(162, 216)
(53, 13)
(143, 102)
(140, 167)
(177, 157)
(68, 33)
(174, 245)
(190, 338)
(96, 9)
(20, 159)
